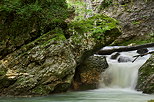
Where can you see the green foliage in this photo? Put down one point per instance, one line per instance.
(58, 35)
(23, 16)
(151, 101)
(96, 26)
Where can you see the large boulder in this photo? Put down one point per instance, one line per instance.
(142, 51)
(114, 56)
(122, 59)
(46, 67)
(146, 77)
(48, 64)
(88, 74)
(90, 35)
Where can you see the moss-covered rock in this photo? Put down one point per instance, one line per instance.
(134, 16)
(48, 63)
(88, 36)
(38, 67)
(91, 34)
(146, 77)
(22, 21)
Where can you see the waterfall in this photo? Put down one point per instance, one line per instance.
(122, 74)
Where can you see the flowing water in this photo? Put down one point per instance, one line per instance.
(117, 85)
(122, 74)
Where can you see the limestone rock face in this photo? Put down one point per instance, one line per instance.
(146, 77)
(135, 17)
(89, 73)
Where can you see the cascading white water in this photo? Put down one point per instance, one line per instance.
(124, 74)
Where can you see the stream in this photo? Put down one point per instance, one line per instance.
(99, 95)
(117, 85)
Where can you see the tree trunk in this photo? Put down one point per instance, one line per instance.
(123, 49)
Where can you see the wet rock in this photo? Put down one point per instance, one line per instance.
(142, 51)
(124, 59)
(115, 55)
(89, 73)
(146, 77)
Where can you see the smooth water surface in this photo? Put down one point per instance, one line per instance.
(99, 95)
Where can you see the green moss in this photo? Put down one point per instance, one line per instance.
(145, 76)
(136, 22)
(3, 70)
(95, 26)
(41, 90)
(2, 73)
(22, 21)
(54, 35)
(147, 72)
(21, 16)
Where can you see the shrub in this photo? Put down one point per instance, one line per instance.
(26, 16)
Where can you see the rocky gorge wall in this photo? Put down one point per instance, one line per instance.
(50, 61)
(136, 18)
